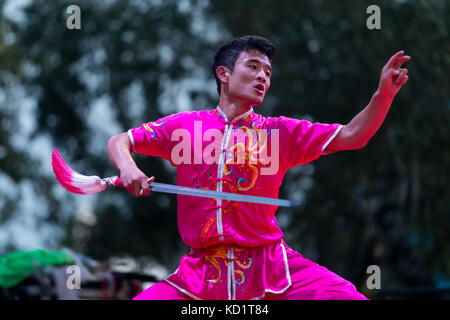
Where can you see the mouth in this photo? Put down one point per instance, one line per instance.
(259, 88)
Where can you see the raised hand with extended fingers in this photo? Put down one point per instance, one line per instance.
(393, 77)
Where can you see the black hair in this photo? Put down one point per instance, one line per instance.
(227, 54)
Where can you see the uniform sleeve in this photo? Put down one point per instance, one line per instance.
(302, 141)
(154, 138)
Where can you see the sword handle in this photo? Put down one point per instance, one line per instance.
(116, 182)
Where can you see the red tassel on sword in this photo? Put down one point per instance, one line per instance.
(76, 182)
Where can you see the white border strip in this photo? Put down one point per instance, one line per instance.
(332, 137)
(233, 276)
(286, 264)
(229, 255)
(220, 169)
(130, 136)
(288, 276)
(222, 113)
(182, 290)
(239, 117)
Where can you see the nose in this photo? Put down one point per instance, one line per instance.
(261, 76)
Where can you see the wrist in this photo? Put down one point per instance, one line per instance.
(383, 95)
(125, 165)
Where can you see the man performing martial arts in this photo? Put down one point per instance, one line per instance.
(237, 250)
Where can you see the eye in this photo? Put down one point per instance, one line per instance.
(252, 66)
(268, 73)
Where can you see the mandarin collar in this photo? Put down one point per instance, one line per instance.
(246, 116)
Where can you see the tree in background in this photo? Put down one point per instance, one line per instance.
(126, 66)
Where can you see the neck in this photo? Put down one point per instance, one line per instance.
(232, 109)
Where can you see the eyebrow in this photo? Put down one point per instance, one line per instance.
(259, 61)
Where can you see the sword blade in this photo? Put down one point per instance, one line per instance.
(168, 188)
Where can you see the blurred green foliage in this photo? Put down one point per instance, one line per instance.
(386, 204)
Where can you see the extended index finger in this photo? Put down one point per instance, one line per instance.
(401, 60)
(393, 60)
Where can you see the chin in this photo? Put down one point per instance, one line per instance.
(252, 100)
(257, 102)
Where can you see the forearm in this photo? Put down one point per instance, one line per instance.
(366, 123)
(119, 151)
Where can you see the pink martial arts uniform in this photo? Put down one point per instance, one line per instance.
(237, 249)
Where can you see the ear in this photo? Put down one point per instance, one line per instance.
(223, 73)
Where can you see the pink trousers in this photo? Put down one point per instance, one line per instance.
(310, 281)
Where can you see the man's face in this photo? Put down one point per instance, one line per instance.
(250, 79)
